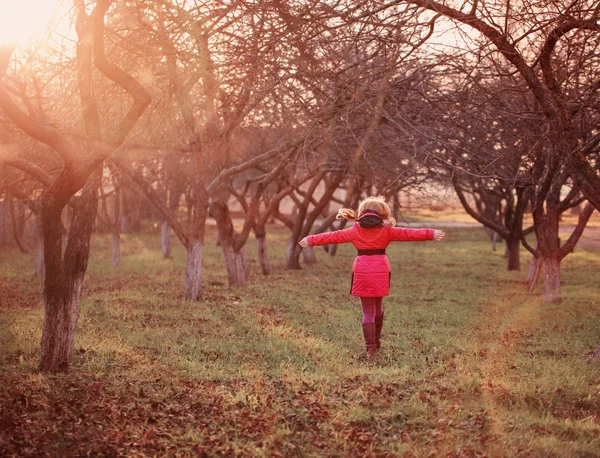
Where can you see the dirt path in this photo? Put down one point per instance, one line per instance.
(503, 328)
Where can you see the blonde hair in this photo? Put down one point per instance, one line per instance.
(373, 203)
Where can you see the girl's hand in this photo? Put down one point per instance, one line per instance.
(304, 242)
(438, 235)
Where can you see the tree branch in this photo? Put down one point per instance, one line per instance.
(551, 40)
(141, 97)
(584, 217)
(154, 198)
(226, 173)
(499, 228)
(28, 167)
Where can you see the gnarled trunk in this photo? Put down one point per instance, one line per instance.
(64, 280)
(309, 255)
(55, 330)
(513, 254)
(236, 264)
(116, 242)
(18, 225)
(39, 265)
(535, 267)
(292, 254)
(193, 271)
(552, 290)
(166, 240)
(263, 257)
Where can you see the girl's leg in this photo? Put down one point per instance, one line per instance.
(368, 325)
(369, 309)
(378, 319)
(378, 306)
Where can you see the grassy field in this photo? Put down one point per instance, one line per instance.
(471, 364)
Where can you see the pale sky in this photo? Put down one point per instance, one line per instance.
(21, 20)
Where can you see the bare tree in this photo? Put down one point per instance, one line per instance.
(530, 44)
(81, 171)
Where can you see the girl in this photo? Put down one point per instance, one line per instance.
(370, 235)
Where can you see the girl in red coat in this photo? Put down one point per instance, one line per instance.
(372, 232)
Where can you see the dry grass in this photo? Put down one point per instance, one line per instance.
(472, 365)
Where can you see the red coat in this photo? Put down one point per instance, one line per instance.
(371, 273)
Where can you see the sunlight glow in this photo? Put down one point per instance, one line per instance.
(21, 20)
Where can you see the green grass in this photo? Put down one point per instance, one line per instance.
(471, 364)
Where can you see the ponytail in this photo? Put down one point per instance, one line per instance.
(346, 213)
(376, 204)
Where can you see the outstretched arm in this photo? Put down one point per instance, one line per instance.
(404, 234)
(328, 238)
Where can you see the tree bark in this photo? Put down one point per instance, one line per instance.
(309, 255)
(236, 262)
(292, 254)
(552, 289)
(193, 271)
(54, 331)
(62, 289)
(193, 240)
(535, 268)
(77, 252)
(17, 225)
(39, 265)
(263, 257)
(305, 219)
(513, 246)
(166, 240)
(116, 242)
(112, 223)
(124, 204)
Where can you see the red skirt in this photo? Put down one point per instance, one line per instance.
(372, 284)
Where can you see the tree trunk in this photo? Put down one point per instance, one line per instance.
(263, 257)
(166, 240)
(193, 271)
(292, 254)
(195, 244)
(535, 266)
(77, 252)
(552, 293)
(116, 239)
(513, 253)
(125, 224)
(135, 216)
(54, 332)
(39, 266)
(236, 264)
(309, 255)
(18, 225)
(124, 210)
(585, 177)
(62, 289)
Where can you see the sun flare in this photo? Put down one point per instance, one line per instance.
(22, 20)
